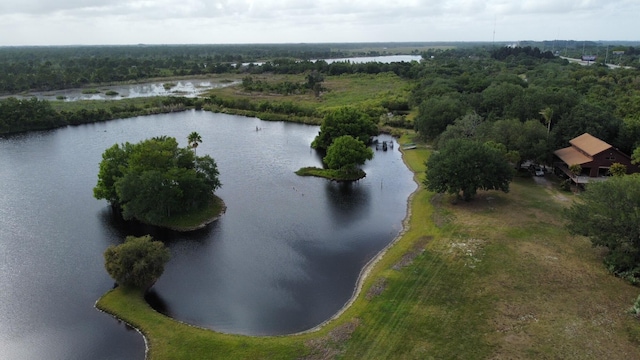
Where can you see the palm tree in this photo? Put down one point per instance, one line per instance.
(194, 139)
(547, 114)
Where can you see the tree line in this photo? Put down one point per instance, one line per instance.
(20, 115)
(51, 68)
(530, 103)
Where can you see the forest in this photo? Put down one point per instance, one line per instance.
(481, 89)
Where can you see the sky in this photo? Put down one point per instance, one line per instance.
(111, 22)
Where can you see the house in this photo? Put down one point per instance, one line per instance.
(594, 156)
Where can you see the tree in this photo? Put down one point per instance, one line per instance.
(314, 82)
(575, 169)
(497, 98)
(465, 127)
(635, 157)
(137, 262)
(528, 139)
(608, 215)
(434, 114)
(155, 179)
(587, 117)
(464, 166)
(345, 120)
(618, 169)
(194, 139)
(346, 153)
(547, 115)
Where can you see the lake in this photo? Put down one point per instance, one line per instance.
(283, 258)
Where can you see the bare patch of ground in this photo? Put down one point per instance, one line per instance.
(330, 346)
(418, 248)
(377, 288)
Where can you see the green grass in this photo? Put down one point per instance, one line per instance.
(195, 220)
(330, 174)
(496, 277)
(74, 106)
(169, 339)
(364, 90)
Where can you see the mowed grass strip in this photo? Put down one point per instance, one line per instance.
(495, 278)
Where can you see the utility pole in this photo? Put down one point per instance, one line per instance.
(493, 40)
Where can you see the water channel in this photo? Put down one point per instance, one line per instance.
(283, 258)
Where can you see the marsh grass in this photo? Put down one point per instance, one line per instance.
(498, 277)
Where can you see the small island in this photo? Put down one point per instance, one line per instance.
(331, 174)
(158, 183)
(344, 137)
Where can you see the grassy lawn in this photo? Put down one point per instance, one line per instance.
(494, 278)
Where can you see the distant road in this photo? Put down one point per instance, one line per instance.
(586, 63)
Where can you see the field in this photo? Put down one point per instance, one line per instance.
(495, 278)
(363, 90)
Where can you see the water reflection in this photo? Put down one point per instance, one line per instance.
(155, 300)
(349, 201)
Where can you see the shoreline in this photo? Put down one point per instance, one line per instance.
(370, 265)
(198, 226)
(364, 274)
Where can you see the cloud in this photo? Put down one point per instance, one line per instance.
(224, 21)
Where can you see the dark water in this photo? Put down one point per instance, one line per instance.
(283, 258)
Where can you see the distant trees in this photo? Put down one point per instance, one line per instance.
(504, 52)
(50, 68)
(607, 213)
(344, 121)
(155, 179)
(462, 167)
(138, 262)
(29, 114)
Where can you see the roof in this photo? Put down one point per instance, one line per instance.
(571, 156)
(589, 144)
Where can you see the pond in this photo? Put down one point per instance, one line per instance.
(183, 87)
(284, 257)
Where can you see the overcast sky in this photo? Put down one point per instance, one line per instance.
(72, 22)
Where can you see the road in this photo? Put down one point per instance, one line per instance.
(586, 63)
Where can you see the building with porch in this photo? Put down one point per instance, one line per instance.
(594, 156)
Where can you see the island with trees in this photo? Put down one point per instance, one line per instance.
(158, 183)
(344, 136)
